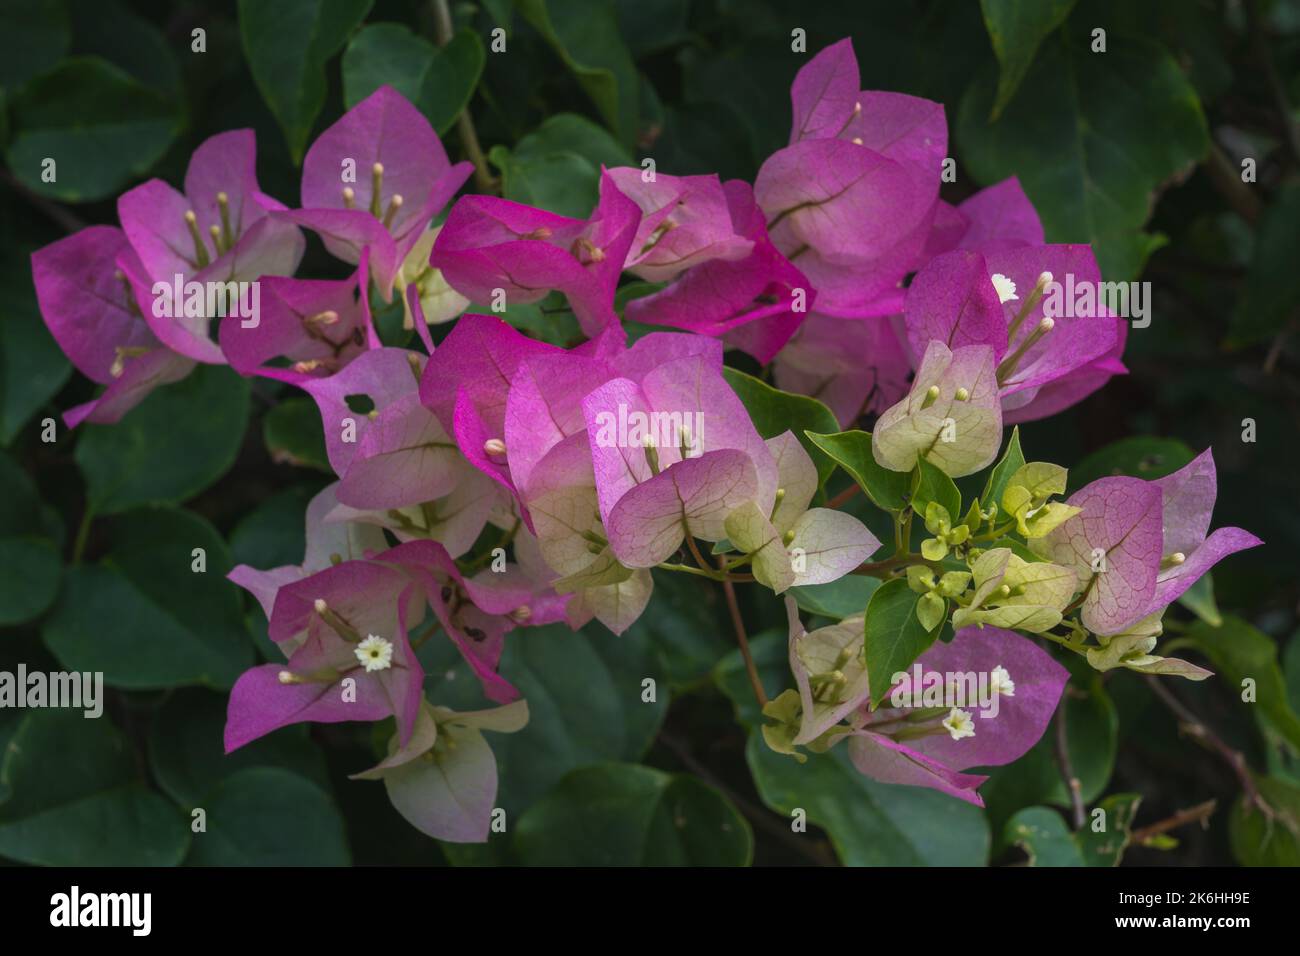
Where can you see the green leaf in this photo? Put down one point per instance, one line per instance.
(895, 636)
(1042, 833)
(439, 81)
(1093, 137)
(1239, 653)
(557, 166)
(1141, 456)
(32, 366)
(1272, 289)
(22, 513)
(272, 535)
(687, 627)
(1199, 599)
(1012, 460)
(188, 758)
(934, 485)
(869, 823)
(584, 692)
(109, 29)
(1258, 840)
(629, 815)
(774, 412)
(178, 441)
(101, 127)
(1092, 734)
(94, 812)
(30, 579)
(851, 450)
(838, 599)
(584, 33)
(293, 435)
(1106, 847)
(287, 45)
(143, 617)
(265, 816)
(1016, 28)
(34, 38)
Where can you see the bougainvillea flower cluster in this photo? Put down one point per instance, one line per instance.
(491, 481)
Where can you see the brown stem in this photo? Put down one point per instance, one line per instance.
(1200, 812)
(737, 622)
(483, 178)
(843, 496)
(1200, 731)
(1072, 782)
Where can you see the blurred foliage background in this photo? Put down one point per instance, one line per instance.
(1138, 150)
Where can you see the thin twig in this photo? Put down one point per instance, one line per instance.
(1072, 782)
(737, 622)
(1199, 730)
(1198, 813)
(483, 177)
(843, 496)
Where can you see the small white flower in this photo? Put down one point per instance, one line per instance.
(958, 723)
(375, 653)
(1006, 289)
(1000, 682)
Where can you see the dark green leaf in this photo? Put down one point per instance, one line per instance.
(895, 636)
(838, 599)
(30, 579)
(869, 823)
(1016, 28)
(143, 617)
(293, 435)
(1106, 846)
(774, 412)
(1260, 840)
(34, 37)
(287, 45)
(1243, 653)
(1092, 137)
(174, 444)
(1142, 456)
(265, 816)
(629, 815)
(1012, 459)
(439, 81)
(188, 758)
(852, 451)
(584, 33)
(1042, 833)
(936, 486)
(557, 166)
(100, 126)
(94, 812)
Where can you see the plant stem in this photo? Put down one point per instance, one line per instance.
(83, 533)
(733, 606)
(483, 178)
(1200, 812)
(1199, 730)
(1072, 782)
(843, 496)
